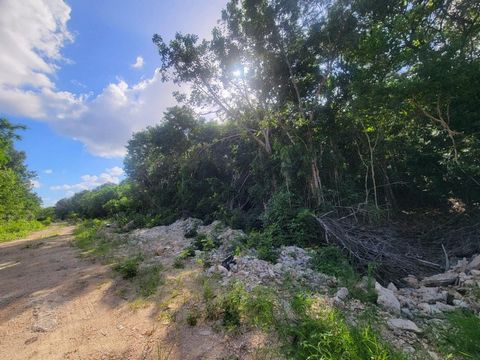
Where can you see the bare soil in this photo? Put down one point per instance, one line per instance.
(57, 304)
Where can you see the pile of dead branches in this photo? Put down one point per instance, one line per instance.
(402, 248)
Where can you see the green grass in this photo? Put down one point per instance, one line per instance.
(321, 332)
(462, 339)
(330, 260)
(17, 229)
(89, 239)
(149, 279)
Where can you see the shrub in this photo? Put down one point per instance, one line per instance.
(264, 244)
(204, 243)
(330, 260)
(193, 316)
(128, 268)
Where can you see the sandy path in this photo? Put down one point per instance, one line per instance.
(55, 304)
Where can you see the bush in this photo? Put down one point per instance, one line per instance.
(330, 260)
(263, 242)
(204, 243)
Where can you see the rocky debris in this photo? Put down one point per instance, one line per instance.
(474, 264)
(402, 324)
(293, 262)
(387, 299)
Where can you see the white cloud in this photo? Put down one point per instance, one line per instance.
(88, 182)
(138, 63)
(108, 120)
(35, 184)
(48, 171)
(33, 34)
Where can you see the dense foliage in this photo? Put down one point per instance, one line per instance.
(310, 105)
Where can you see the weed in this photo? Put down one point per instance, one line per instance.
(138, 304)
(149, 278)
(128, 268)
(207, 292)
(321, 332)
(204, 243)
(264, 244)
(232, 305)
(193, 316)
(186, 253)
(178, 263)
(462, 339)
(92, 241)
(260, 306)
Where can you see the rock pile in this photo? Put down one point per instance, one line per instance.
(424, 302)
(434, 295)
(293, 263)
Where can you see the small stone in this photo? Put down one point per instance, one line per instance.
(460, 303)
(402, 324)
(407, 313)
(342, 293)
(391, 286)
(431, 295)
(31, 340)
(411, 281)
(474, 264)
(222, 270)
(444, 307)
(386, 298)
(475, 273)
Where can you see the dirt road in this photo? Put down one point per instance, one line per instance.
(54, 304)
(57, 304)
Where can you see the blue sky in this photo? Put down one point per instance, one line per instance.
(81, 75)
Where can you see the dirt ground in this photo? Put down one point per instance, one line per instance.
(57, 304)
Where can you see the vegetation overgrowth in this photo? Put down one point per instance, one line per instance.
(15, 229)
(362, 110)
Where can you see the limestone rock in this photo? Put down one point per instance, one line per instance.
(431, 295)
(402, 324)
(411, 281)
(444, 279)
(474, 264)
(387, 299)
(391, 286)
(342, 293)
